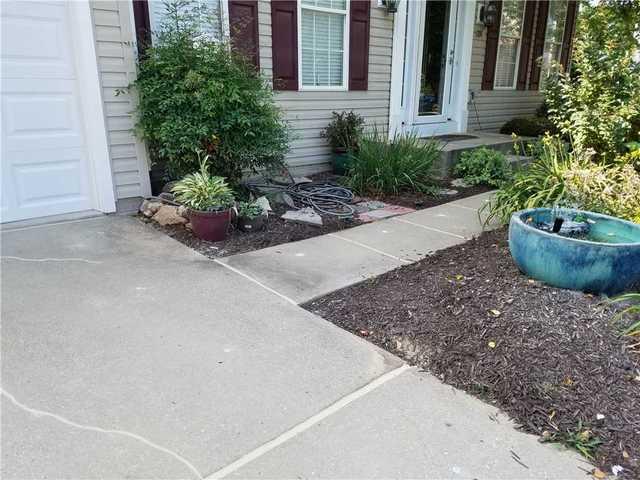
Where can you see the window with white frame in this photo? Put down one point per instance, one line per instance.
(207, 15)
(554, 35)
(509, 43)
(323, 43)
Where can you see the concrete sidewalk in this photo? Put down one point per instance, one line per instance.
(127, 355)
(311, 268)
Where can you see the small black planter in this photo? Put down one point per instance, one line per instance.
(255, 224)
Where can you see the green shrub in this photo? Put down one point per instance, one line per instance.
(612, 190)
(344, 131)
(540, 184)
(598, 104)
(483, 166)
(196, 94)
(528, 127)
(249, 210)
(564, 177)
(383, 166)
(202, 191)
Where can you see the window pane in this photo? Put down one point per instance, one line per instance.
(205, 14)
(506, 66)
(511, 23)
(553, 36)
(509, 43)
(322, 38)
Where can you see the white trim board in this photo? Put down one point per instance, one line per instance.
(401, 115)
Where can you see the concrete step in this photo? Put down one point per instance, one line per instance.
(451, 150)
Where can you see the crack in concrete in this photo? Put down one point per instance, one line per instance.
(22, 259)
(42, 413)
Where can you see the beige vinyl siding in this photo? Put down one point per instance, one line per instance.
(495, 107)
(309, 112)
(113, 27)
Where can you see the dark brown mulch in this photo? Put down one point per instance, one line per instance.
(421, 200)
(550, 358)
(415, 199)
(278, 231)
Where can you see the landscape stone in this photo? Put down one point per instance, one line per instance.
(168, 215)
(304, 215)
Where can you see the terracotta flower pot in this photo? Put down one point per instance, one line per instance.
(210, 226)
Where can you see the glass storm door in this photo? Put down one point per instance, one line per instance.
(436, 25)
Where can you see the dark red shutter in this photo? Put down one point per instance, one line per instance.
(569, 27)
(538, 44)
(525, 45)
(491, 51)
(142, 24)
(243, 28)
(359, 44)
(284, 37)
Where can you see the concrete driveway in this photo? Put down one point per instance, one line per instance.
(127, 355)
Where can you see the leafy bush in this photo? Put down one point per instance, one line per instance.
(541, 184)
(392, 166)
(605, 189)
(598, 104)
(564, 177)
(529, 126)
(249, 210)
(202, 191)
(344, 131)
(483, 166)
(195, 94)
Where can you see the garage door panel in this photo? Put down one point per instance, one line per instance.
(45, 162)
(31, 56)
(46, 121)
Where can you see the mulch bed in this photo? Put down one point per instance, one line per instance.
(420, 200)
(550, 358)
(279, 231)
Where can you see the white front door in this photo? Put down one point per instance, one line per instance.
(46, 160)
(429, 84)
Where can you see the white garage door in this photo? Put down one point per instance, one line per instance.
(46, 164)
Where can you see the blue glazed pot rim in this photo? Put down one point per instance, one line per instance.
(517, 217)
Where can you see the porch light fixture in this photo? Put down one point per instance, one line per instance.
(489, 14)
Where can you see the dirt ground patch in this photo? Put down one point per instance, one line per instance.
(550, 358)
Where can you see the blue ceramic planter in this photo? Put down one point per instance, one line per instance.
(608, 261)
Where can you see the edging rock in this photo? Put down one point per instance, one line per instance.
(168, 215)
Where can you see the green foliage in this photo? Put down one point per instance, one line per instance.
(598, 104)
(249, 210)
(581, 439)
(560, 176)
(483, 166)
(632, 311)
(203, 191)
(392, 166)
(344, 131)
(541, 184)
(195, 94)
(528, 126)
(613, 190)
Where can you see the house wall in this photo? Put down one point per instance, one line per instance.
(113, 30)
(490, 109)
(309, 112)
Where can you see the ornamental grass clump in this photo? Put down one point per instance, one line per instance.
(392, 166)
